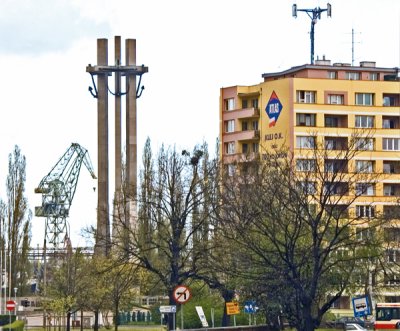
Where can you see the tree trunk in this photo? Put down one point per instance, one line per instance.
(228, 296)
(171, 318)
(116, 317)
(81, 319)
(68, 320)
(307, 319)
(96, 320)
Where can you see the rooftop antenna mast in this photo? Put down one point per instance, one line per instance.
(314, 14)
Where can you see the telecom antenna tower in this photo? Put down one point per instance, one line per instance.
(315, 15)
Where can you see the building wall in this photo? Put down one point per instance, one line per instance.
(322, 114)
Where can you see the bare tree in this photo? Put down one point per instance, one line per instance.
(295, 220)
(171, 218)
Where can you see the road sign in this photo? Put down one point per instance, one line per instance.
(181, 294)
(250, 307)
(10, 305)
(202, 316)
(167, 309)
(232, 308)
(361, 306)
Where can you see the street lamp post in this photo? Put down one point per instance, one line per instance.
(15, 300)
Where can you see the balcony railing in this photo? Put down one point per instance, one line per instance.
(241, 113)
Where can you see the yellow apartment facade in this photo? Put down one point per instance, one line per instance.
(324, 104)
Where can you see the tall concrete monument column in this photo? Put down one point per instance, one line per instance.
(102, 70)
(103, 225)
(131, 136)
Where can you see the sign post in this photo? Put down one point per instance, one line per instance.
(181, 295)
(10, 306)
(232, 308)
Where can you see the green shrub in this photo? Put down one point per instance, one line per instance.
(5, 319)
(14, 326)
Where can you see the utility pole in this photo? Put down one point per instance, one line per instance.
(314, 14)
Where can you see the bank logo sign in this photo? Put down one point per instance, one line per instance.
(273, 109)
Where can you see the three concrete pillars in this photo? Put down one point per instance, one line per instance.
(125, 193)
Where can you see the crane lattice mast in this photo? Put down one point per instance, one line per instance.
(58, 189)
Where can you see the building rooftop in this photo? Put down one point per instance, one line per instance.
(316, 70)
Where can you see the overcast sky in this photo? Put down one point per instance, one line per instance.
(192, 49)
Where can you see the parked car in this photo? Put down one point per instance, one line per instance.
(354, 327)
(341, 322)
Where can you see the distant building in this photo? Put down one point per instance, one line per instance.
(323, 104)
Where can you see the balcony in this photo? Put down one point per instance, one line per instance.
(249, 135)
(391, 212)
(391, 190)
(336, 143)
(391, 100)
(239, 157)
(391, 167)
(390, 122)
(336, 121)
(336, 166)
(241, 114)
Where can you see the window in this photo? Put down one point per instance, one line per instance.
(306, 96)
(364, 121)
(364, 144)
(332, 74)
(393, 255)
(305, 165)
(364, 99)
(389, 190)
(336, 188)
(391, 100)
(230, 148)
(365, 211)
(335, 166)
(255, 125)
(305, 142)
(245, 148)
(392, 234)
(244, 126)
(305, 119)
(244, 103)
(391, 280)
(335, 99)
(255, 147)
(231, 169)
(337, 211)
(254, 103)
(230, 126)
(331, 122)
(364, 166)
(365, 189)
(307, 187)
(391, 144)
(353, 75)
(335, 143)
(389, 123)
(391, 167)
(364, 233)
(229, 104)
(373, 76)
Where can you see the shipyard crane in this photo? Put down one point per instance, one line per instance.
(58, 189)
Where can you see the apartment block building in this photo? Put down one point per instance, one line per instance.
(323, 104)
